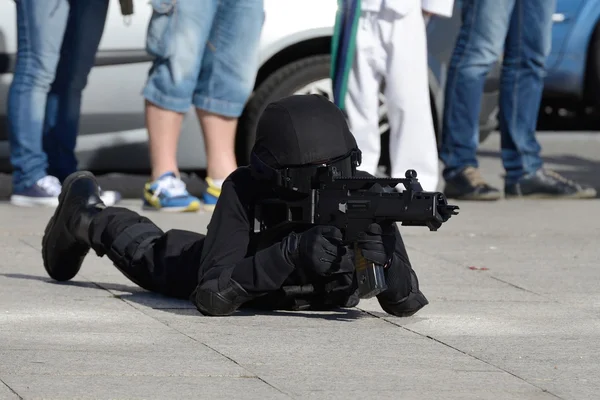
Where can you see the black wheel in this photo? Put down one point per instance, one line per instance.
(308, 75)
(593, 69)
(305, 76)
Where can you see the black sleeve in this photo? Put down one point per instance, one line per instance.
(225, 254)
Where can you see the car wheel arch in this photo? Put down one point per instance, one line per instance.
(287, 51)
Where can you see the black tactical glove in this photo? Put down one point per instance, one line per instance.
(319, 250)
(377, 243)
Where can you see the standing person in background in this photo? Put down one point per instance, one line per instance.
(386, 40)
(206, 55)
(523, 29)
(57, 44)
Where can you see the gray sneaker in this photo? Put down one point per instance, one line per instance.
(545, 183)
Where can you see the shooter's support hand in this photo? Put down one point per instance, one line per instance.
(319, 250)
(377, 243)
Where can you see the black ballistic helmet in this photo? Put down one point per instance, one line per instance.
(300, 137)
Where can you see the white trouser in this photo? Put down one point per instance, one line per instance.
(393, 48)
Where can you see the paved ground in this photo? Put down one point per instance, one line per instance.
(513, 286)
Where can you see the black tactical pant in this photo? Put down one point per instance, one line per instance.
(169, 262)
(162, 262)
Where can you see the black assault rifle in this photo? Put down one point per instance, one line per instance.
(351, 205)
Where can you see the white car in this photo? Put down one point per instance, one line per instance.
(294, 58)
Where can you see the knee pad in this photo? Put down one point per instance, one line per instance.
(403, 297)
(212, 301)
(405, 307)
(220, 296)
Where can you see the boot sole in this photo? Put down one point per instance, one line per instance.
(80, 253)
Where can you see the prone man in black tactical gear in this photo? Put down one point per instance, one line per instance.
(295, 266)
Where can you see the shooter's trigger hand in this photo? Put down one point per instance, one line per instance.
(319, 249)
(371, 243)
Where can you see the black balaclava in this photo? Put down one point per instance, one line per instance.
(302, 130)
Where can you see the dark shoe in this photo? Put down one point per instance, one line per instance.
(469, 185)
(66, 240)
(548, 184)
(407, 306)
(211, 300)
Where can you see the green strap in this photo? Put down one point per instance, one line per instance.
(348, 60)
(335, 40)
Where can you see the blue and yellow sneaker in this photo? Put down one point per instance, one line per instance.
(168, 193)
(211, 195)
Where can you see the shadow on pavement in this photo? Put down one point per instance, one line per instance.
(85, 284)
(184, 307)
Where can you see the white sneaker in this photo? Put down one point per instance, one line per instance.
(110, 197)
(43, 193)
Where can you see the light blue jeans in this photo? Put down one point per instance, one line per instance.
(57, 44)
(523, 30)
(206, 54)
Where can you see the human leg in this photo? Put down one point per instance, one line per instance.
(226, 79)
(478, 46)
(527, 47)
(177, 33)
(166, 263)
(412, 136)
(40, 28)
(81, 39)
(163, 262)
(85, 26)
(362, 97)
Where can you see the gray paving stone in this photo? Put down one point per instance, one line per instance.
(6, 393)
(47, 387)
(524, 327)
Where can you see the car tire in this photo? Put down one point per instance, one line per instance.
(593, 65)
(282, 83)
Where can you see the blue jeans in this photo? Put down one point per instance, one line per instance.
(206, 54)
(523, 29)
(57, 44)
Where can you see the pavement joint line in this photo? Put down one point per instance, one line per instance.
(515, 286)
(442, 258)
(28, 244)
(120, 375)
(239, 365)
(466, 354)
(11, 389)
(141, 310)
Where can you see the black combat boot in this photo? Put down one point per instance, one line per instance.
(66, 240)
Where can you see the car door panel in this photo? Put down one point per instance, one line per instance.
(564, 19)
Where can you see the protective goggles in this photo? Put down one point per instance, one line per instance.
(304, 178)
